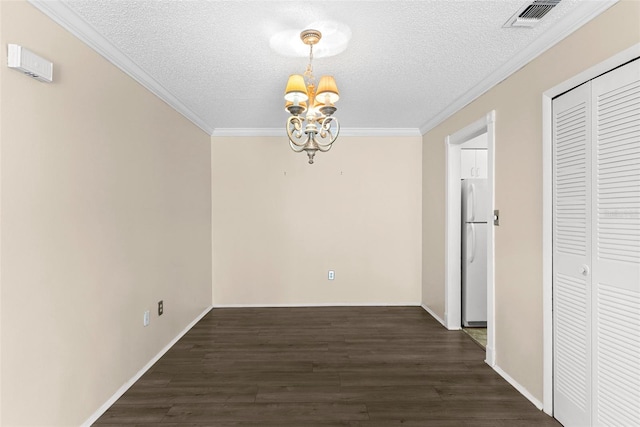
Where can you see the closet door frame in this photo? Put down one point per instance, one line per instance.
(547, 206)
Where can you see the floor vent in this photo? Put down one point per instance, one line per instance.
(531, 13)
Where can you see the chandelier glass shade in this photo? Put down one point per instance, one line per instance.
(311, 126)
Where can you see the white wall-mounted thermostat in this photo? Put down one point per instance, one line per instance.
(27, 62)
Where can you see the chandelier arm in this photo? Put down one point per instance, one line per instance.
(324, 148)
(295, 147)
(295, 132)
(326, 137)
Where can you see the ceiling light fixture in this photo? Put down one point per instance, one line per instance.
(311, 127)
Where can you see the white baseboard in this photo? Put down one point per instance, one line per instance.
(491, 357)
(518, 387)
(434, 315)
(328, 304)
(98, 413)
(491, 362)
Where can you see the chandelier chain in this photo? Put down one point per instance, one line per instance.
(308, 74)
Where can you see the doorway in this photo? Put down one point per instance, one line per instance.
(453, 230)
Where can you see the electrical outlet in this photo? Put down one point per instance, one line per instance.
(145, 320)
(160, 308)
(332, 274)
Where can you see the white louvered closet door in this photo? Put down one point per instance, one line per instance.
(616, 249)
(572, 256)
(596, 278)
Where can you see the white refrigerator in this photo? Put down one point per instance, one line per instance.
(475, 215)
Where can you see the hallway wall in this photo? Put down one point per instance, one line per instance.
(518, 155)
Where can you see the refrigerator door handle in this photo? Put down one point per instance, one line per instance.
(471, 203)
(473, 243)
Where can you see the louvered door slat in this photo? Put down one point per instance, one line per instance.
(571, 133)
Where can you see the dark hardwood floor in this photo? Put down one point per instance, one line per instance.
(334, 366)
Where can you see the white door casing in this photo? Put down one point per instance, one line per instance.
(452, 310)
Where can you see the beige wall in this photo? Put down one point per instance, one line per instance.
(106, 209)
(280, 224)
(518, 105)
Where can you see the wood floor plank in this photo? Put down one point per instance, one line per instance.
(179, 394)
(133, 414)
(347, 394)
(319, 367)
(278, 412)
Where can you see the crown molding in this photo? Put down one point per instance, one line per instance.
(263, 132)
(585, 13)
(72, 22)
(380, 132)
(281, 132)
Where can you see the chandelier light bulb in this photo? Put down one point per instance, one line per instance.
(296, 90)
(328, 90)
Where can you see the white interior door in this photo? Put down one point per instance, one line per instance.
(616, 254)
(572, 256)
(596, 277)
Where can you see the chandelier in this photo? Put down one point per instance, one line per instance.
(311, 126)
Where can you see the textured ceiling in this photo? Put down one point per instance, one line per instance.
(406, 65)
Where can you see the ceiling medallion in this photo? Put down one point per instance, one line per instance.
(311, 127)
(335, 40)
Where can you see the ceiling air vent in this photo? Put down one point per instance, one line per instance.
(531, 13)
